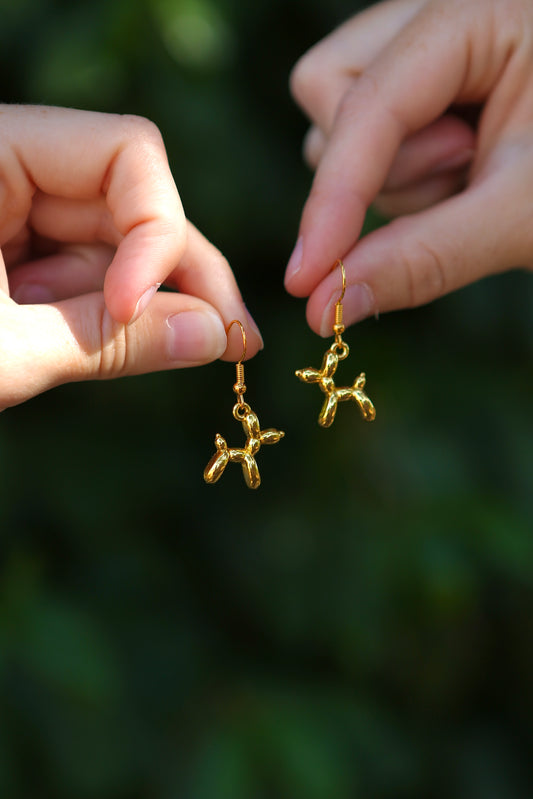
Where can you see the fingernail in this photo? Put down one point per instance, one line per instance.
(358, 303)
(455, 161)
(32, 294)
(143, 301)
(252, 325)
(195, 336)
(295, 262)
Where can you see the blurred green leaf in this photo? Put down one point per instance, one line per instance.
(64, 648)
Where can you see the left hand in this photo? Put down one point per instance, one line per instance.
(91, 224)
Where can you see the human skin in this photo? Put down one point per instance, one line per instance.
(423, 108)
(91, 224)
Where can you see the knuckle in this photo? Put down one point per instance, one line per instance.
(141, 127)
(425, 270)
(142, 134)
(116, 347)
(306, 79)
(299, 77)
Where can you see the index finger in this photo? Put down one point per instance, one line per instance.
(324, 73)
(431, 63)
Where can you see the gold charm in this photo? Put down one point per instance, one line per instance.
(338, 351)
(255, 437)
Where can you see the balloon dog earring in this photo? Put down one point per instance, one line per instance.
(254, 435)
(324, 376)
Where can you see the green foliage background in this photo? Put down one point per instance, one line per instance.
(361, 625)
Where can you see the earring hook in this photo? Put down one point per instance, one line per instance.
(338, 327)
(343, 273)
(239, 388)
(243, 334)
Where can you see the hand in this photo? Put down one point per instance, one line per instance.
(390, 94)
(91, 224)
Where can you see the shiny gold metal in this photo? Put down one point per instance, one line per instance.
(243, 334)
(338, 351)
(255, 437)
(334, 395)
(239, 387)
(338, 326)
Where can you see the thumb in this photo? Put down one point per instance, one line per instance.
(417, 258)
(46, 345)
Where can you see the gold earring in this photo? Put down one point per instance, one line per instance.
(254, 435)
(324, 376)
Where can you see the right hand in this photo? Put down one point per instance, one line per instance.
(386, 94)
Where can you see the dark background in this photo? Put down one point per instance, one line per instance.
(358, 627)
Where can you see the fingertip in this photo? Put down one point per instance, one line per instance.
(330, 225)
(143, 302)
(144, 259)
(124, 306)
(32, 294)
(123, 310)
(195, 336)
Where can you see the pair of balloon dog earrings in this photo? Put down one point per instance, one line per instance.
(243, 413)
